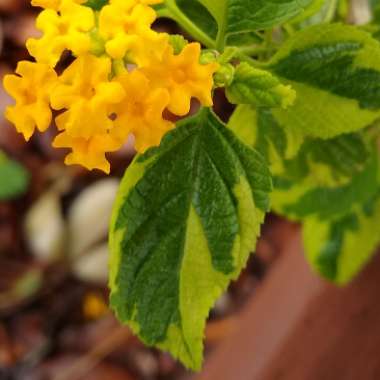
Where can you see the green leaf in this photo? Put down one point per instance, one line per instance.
(241, 16)
(186, 218)
(259, 128)
(327, 179)
(235, 21)
(319, 12)
(178, 42)
(198, 14)
(339, 249)
(374, 4)
(14, 179)
(193, 17)
(335, 70)
(310, 11)
(258, 87)
(244, 39)
(313, 177)
(374, 26)
(97, 5)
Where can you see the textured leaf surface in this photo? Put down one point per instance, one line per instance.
(14, 178)
(313, 177)
(339, 249)
(258, 87)
(313, 197)
(259, 128)
(327, 179)
(319, 12)
(310, 12)
(197, 13)
(335, 70)
(237, 16)
(186, 218)
(235, 20)
(194, 18)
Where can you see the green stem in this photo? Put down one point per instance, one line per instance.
(172, 11)
(250, 60)
(331, 11)
(288, 29)
(255, 50)
(221, 37)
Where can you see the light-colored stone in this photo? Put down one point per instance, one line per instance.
(44, 228)
(89, 216)
(93, 266)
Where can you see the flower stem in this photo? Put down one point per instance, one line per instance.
(172, 11)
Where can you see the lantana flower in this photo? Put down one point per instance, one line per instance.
(52, 4)
(66, 29)
(85, 91)
(100, 98)
(127, 31)
(90, 152)
(30, 89)
(184, 77)
(141, 112)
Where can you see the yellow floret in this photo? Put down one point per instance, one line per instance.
(85, 91)
(101, 102)
(151, 2)
(126, 27)
(90, 152)
(66, 29)
(52, 4)
(31, 91)
(141, 111)
(184, 77)
(127, 5)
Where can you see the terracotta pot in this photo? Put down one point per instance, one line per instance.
(299, 327)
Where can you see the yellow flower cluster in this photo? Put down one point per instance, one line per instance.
(123, 78)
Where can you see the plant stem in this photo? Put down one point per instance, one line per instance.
(221, 37)
(172, 11)
(254, 50)
(250, 60)
(330, 14)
